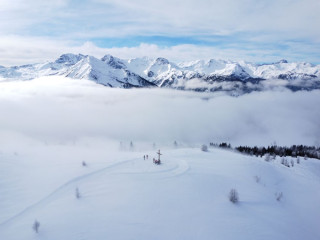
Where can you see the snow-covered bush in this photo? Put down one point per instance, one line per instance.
(77, 193)
(285, 162)
(36, 226)
(233, 195)
(204, 148)
(292, 163)
(267, 158)
(257, 179)
(279, 196)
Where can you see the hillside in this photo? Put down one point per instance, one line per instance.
(123, 196)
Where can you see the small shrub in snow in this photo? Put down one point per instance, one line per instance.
(36, 226)
(257, 179)
(233, 196)
(279, 196)
(285, 162)
(204, 148)
(292, 163)
(84, 164)
(267, 158)
(77, 193)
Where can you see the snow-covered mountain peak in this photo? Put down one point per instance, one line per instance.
(161, 61)
(69, 58)
(283, 61)
(204, 66)
(113, 61)
(233, 69)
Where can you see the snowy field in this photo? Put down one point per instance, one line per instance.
(50, 126)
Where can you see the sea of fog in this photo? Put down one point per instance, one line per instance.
(66, 111)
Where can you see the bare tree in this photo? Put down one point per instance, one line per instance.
(36, 226)
(233, 196)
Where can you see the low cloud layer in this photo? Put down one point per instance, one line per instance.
(65, 110)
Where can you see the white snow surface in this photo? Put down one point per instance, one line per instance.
(126, 197)
(50, 125)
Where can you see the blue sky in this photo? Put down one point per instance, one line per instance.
(250, 30)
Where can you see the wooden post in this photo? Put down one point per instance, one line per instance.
(159, 154)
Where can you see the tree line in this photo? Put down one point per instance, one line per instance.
(293, 151)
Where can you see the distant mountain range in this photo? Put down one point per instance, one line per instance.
(212, 75)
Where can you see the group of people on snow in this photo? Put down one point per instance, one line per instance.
(155, 161)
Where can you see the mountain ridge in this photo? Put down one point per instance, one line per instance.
(200, 75)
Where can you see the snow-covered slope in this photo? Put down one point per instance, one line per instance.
(107, 72)
(212, 75)
(125, 197)
(104, 71)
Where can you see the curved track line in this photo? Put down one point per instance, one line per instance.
(177, 170)
(76, 179)
(172, 171)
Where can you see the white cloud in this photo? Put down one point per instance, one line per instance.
(110, 18)
(59, 109)
(37, 30)
(293, 18)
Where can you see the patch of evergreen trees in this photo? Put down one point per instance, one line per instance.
(293, 151)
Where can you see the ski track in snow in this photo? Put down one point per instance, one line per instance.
(178, 169)
(164, 171)
(63, 186)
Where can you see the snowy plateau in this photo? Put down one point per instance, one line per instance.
(235, 78)
(72, 163)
